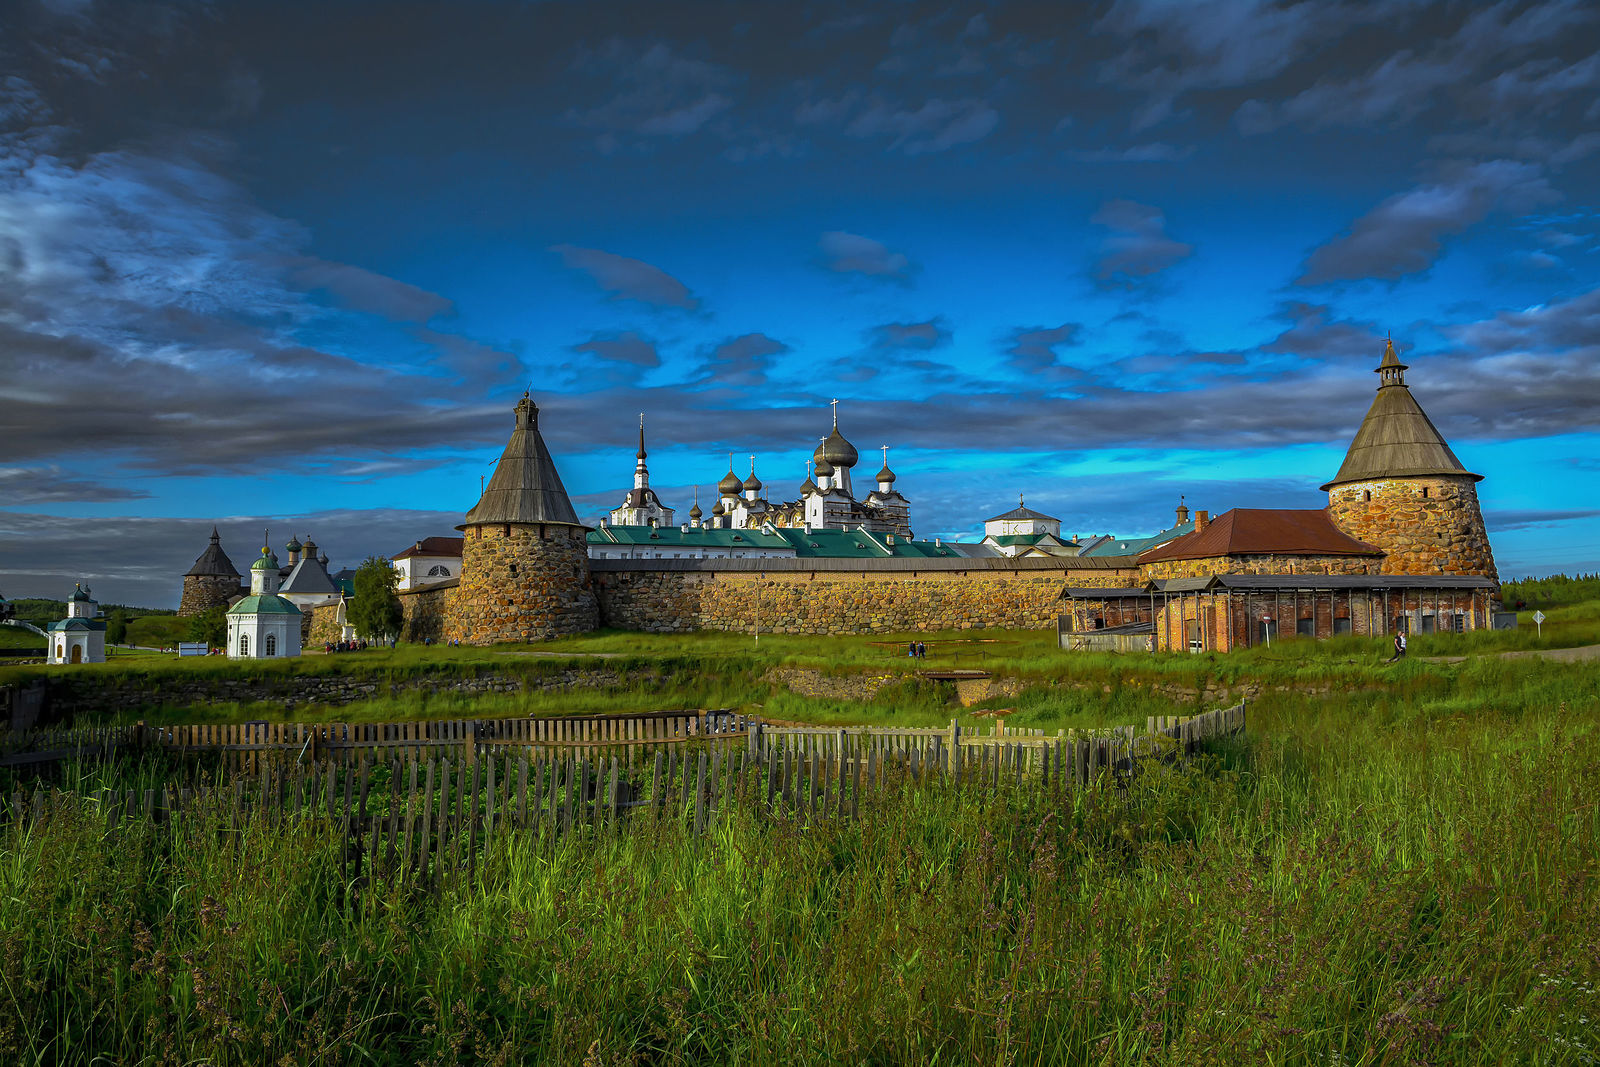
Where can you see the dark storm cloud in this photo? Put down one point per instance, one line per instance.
(657, 93)
(740, 361)
(1405, 233)
(362, 290)
(140, 561)
(1489, 70)
(628, 279)
(1177, 49)
(1031, 350)
(51, 485)
(1532, 518)
(898, 337)
(1138, 245)
(625, 347)
(851, 253)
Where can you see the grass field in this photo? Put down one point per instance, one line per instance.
(1400, 864)
(1373, 878)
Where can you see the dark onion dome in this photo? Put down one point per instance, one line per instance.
(837, 451)
(716, 510)
(807, 487)
(886, 475)
(695, 512)
(752, 483)
(641, 454)
(824, 468)
(323, 559)
(294, 544)
(730, 484)
(80, 594)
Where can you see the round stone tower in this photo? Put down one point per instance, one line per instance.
(1403, 490)
(524, 554)
(211, 582)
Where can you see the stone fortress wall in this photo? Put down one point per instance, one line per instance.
(202, 592)
(1259, 564)
(803, 596)
(1425, 524)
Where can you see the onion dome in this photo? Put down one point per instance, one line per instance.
(323, 559)
(824, 468)
(267, 562)
(716, 510)
(80, 594)
(807, 487)
(731, 484)
(294, 544)
(695, 512)
(837, 451)
(752, 483)
(886, 476)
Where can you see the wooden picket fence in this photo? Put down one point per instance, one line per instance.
(432, 817)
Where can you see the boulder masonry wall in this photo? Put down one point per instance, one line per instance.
(844, 596)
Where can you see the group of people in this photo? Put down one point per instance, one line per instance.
(454, 642)
(1399, 646)
(354, 646)
(917, 650)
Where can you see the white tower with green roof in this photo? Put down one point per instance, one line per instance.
(263, 625)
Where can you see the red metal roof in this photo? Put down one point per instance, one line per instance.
(1264, 532)
(433, 546)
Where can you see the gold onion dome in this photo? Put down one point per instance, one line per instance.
(716, 510)
(824, 468)
(731, 484)
(886, 475)
(807, 487)
(695, 512)
(752, 483)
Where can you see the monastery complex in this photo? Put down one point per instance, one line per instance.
(1400, 546)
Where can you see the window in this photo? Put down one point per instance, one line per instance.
(1424, 492)
(1402, 624)
(1341, 626)
(1305, 628)
(244, 644)
(1460, 621)
(438, 572)
(272, 644)
(1367, 495)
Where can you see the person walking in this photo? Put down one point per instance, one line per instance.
(922, 650)
(1399, 646)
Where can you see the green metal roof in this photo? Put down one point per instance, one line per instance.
(62, 625)
(1133, 546)
(264, 605)
(677, 537)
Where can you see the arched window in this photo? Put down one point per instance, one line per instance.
(438, 572)
(272, 644)
(244, 644)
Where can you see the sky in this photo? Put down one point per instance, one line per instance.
(290, 265)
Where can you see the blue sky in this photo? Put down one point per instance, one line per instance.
(290, 265)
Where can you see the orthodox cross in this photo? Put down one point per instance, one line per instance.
(835, 405)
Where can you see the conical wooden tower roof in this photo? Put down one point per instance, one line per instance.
(525, 487)
(1396, 439)
(213, 561)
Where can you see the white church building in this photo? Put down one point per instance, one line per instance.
(81, 636)
(263, 625)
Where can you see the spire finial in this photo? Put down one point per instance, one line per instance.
(266, 541)
(1019, 500)
(835, 404)
(885, 449)
(752, 463)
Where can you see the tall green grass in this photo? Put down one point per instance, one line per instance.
(1409, 874)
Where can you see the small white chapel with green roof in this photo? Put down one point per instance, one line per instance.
(263, 625)
(81, 636)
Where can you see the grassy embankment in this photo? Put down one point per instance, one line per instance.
(1403, 873)
(720, 670)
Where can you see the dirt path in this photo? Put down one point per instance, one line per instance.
(1560, 655)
